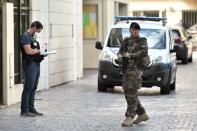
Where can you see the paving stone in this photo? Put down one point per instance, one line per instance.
(77, 106)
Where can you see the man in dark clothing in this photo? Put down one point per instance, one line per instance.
(31, 59)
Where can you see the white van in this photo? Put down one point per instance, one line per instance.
(161, 73)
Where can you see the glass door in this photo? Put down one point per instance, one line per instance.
(21, 23)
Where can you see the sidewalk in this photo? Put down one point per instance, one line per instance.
(65, 108)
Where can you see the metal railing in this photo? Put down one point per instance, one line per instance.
(121, 18)
(189, 18)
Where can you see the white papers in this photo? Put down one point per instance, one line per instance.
(47, 53)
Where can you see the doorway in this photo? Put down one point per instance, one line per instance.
(21, 23)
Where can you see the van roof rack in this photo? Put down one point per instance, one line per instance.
(121, 18)
(142, 18)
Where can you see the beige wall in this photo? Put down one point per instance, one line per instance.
(79, 38)
(63, 33)
(65, 20)
(107, 9)
(62, 21)
(39, 11)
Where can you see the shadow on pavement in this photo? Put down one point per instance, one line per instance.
(154, 91)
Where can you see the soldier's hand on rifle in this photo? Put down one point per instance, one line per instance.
(131, 55)
(119, 60)
(128, 55)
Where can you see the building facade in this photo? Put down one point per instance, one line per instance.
(62, 21)
(71, 28)
(98, 16)
(182, 12)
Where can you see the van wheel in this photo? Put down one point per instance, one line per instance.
(101, 87)
(185, 60)
(190, 59)
(110, 86)
(173, 85)
(166, 89)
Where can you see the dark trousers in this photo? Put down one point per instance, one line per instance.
(32, 74)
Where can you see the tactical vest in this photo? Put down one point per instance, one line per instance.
(132, 46)
(31, 58)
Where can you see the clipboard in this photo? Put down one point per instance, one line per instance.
(48, 53)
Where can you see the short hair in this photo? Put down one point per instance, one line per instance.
(135, 25)
(37, 24)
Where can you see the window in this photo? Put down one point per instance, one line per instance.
(21, 23)
(189, 18)
(179, 34)
(176, 34)
(138, 13)
(116, 37)
(151, 13)
(146, 13)
(156, 38)
(90, 24)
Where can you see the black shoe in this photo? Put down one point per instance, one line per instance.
(27, 114)
(37, 113)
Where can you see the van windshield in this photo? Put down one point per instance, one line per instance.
(156, 38)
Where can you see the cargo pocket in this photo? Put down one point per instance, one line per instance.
(138, 83)
(131, 79)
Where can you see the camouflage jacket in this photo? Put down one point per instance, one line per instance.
(132, 50)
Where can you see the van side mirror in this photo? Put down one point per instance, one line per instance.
(172, 50)
(98, 45)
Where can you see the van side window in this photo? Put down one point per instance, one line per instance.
(115, 37)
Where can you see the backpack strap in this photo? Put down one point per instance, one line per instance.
(126, 43)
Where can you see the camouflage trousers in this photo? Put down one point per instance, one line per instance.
(132, 78)
(131, 83)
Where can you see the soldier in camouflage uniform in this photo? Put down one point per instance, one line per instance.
(130, 54)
